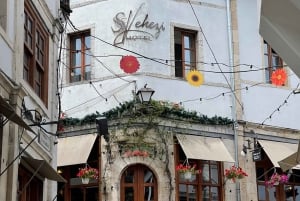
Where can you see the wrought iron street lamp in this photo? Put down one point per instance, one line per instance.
(145, 94)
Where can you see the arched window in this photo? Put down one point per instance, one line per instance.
(138, 183)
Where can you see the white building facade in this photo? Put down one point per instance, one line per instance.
(29, 42)
(168, 39)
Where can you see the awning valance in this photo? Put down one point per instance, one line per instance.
(277, 151)
(43, 168)
(11, 115)
(204, 148)
(74, 150)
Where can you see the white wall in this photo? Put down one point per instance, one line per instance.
(258, 101)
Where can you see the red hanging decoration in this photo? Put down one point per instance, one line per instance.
(279, 77)
(129, 64)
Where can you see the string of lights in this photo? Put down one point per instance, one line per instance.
(280, 106)
(107, 96)
(252, 68)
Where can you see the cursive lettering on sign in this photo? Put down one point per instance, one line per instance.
(135, 27)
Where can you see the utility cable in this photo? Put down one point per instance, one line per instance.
(213, 54)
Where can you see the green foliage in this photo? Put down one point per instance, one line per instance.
(157, 108)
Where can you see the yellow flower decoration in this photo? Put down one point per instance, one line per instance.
(195, 78)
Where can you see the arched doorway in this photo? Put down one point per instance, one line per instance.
(138, 183)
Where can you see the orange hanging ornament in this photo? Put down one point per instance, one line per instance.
(279, 77)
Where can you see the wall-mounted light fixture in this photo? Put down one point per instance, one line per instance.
(145, 94)
(246, 147)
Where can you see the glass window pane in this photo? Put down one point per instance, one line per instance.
(275, 61)
(214, 174)
(91, 194)
(205, 193)
(76, 59)
(149, 193)
(77, 44)
(87, 42)
(192, 193)
(214, 194)
(261, 192)
(205, 173)
(148, 176)
(76, 194)
(87, 75)
(265, 48)
(187, 42)
(129, 193)
(272, 194)
(129, 176)
(87, 59)
(182, 192)
(187, 57)
(296, 192)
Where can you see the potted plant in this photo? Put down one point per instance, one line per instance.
(187, 170)
(276, 179)
(87, 173)
(234, 173)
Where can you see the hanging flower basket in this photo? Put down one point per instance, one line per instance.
(234, 173)
(187, 175)
(85, 180)
(187, 170)
(87, 173)
(276, 179)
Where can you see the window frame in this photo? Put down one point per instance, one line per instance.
(181, 61)
(83, 53)
(198, 182)
(269, 53)
(36, 53)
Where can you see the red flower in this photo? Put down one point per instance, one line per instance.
(129, 64)
(279, 77)
(88, 172)
(234, 173)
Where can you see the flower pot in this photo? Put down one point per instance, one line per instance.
(188, 175)
(85, 180)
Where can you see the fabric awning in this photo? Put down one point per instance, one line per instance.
(74, 150)
(43, 168)
(277, 151)
(11, 115)
(292, 161)
(204, 148)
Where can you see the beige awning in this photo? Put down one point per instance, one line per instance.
(278, 151)
(11, 115)
(204, 148)
(74, 150)
(292, 161)
(43, 168)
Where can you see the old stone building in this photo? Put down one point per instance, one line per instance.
(206, 63)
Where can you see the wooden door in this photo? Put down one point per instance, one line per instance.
(138, 183)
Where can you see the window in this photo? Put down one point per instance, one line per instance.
(29, 188)
(185, 51)
(272, 61)
(205, 186)
(80, 56)
(138, 183)
(3, 13)
(35, 57)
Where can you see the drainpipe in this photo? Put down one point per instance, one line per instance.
(232, 82)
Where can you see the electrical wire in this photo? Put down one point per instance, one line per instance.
(213, 54)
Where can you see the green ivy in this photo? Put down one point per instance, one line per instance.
(159, 108)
